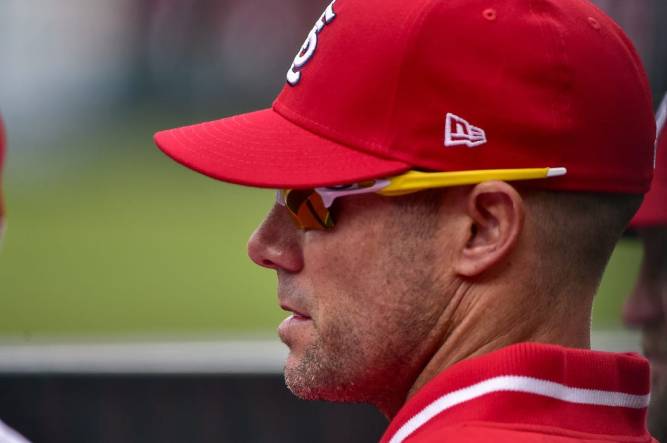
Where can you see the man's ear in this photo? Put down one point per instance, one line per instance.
(495, 213)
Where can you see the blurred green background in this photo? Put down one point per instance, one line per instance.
(108, 237)
(131, 243)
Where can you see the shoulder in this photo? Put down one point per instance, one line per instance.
(504, 433)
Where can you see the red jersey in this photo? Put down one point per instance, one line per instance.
(531, 392)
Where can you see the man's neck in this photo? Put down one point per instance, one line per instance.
(477, 322)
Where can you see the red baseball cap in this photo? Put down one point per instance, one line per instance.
(384, 86)
(653, 211)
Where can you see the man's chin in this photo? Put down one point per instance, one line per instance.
(306, 390)
(309, 379)
(301, 384)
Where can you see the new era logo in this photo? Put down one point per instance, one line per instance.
(459, 132)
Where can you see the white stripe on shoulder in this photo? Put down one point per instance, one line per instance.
(8, 435)
(515, 383)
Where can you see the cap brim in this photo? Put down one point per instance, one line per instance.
(263, 149)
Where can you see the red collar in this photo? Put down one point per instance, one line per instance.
(534, 384)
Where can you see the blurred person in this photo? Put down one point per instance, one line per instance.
(646, 308)
(7, 435)
(2, 161)
(452, 178)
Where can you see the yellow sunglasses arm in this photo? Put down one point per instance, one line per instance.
(414, 181)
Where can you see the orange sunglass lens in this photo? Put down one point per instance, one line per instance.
(307, 209)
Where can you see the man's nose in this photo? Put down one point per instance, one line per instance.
(276, 243)
(643, 308)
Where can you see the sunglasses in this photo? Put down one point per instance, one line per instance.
(310, 208)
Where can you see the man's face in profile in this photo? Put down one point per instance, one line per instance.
(361, 295)
(646, 308)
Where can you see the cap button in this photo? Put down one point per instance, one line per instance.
(489, 14)
(594, 23)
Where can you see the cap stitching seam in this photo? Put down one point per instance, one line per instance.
(546, 37)
(568, 82)
(619, 34)
(286, 113)
(417, 29)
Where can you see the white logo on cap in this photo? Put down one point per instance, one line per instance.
(459, 132)
(308, 49)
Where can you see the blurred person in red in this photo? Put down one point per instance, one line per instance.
(7, 435)
(646, 308)
(3, 142)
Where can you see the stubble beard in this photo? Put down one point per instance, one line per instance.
(326, 371)
(348, 365)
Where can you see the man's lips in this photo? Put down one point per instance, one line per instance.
(297, 314)
(294, 326)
